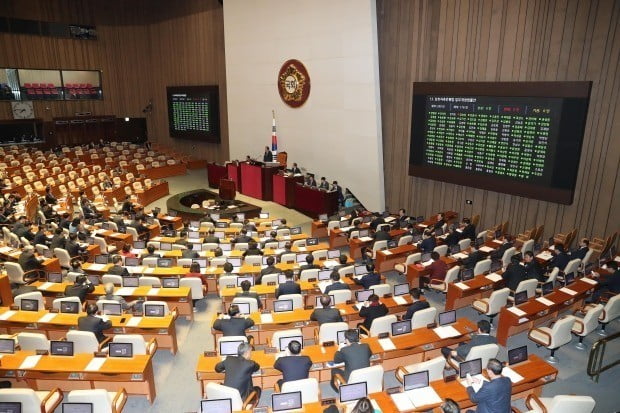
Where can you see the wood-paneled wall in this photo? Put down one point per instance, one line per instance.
(504, 40)
(142, 47)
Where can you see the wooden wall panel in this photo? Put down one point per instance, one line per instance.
(504, 40)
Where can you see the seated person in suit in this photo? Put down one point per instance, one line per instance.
(440, 221)
(324, 184)
(326, 314)
(194, 272)
(233, 324)
(243, 237)
(73, 248)
(532, 267)
(309, 265)
(378, 220)
(353, 354)
(58, 239)
(310, 181)
(295, 169)
(288, 287)
(40, 237)
(372, 309)
(269, 269)
(561, 257)
(453, 237)
(239, 371)
(370, 279)
(109, 295)
(584, 247)
(252, 249)
(211, 238)
(117, 267)
(189, 253)
(482, 337)
(342, 262)
(76, 266)
(403, 219)
(93, 323)
(472, 258)
(381, 234)
(416, 305)
(495, 394)
(80, 288)
(245, 292)
(469, 230)
(293, 366)
(150, 252)
(287, 250)
(272, 238)
(283, 224)
(50, 199)
(514, 274)
(29, 262)
(428, 243)
(22, 228)
(436, 271)
(607, 283)
(336, 283)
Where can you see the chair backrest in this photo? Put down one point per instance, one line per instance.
(195, 286)
(284, 232)
(112, 278)
(15, 272)
(611, 310)
(133, 232)
(349, 269)
(341, 296)
(382, 324)
(253, 259)
(329, 331)
(529, 286)
(442, 250)
(32, 341)
(150, 261)
(278, 334)
(83, 341)
(250, 300)
(100, 398)
(35, 295)
(305, 275)
(137, 341)
(241, 246)
(149, 281)
(163, 303)
(298, 300)
(331, 225)
(373, 376)
(587, 257)
(269, 278)
(553, 274)
(482, 266)
(378, 246)
(56, 303)
(527, 246)
(219, 391)
(572, 266)
(222, 282)
(309, 389)
(508, 255)
(28, 398)
(561, 331)
(498, 299)
(299, 243)
(413, 258)
(464, 243)
(319, 255)
(288, 257)
(434, 366)
(381, 289)
(484, 352)
(590, 320)
(571, 404)
(452, 274)
(423, 318)
(184, 262)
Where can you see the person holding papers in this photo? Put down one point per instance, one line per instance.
(232, 324)
(91, 322)
(416, 305)
(494, 395)
(336, 284)
(370, 279)
(532, 267)
(245, 291)
(353, 354)
(288, 287)
(514, 274)
(372, 309)
(428, 243)
(482, 337)
(81, 288)
(326, 314)
(293, 366)
(436, 271)
(117, 267)
(239, 371)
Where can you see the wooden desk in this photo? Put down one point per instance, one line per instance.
(165, 171)
(318, 229)
(537, 313)
(70, 373)
(415, 271)
(480, 286)
(6, 298)
(356, 245)
(162, 329)
(149, 195)
(176, 222)
(387, 259)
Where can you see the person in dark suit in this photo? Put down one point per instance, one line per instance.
(211, 238)
(73, 248)
(309, 265)
(403, 219)
(499, 253)
(494, 395)
(338, 189)
(289, 287)
(428, 243)
(269, 269)
(239, 371)
(65, 221)
(22, 229)
(39, 237)
(469, 230)
(233, 324)
(326, 314)
(310, 181)
(608, 283)
(272, 238)
(370, 279)
(372, 309)
(514, 274)
(584, 247)
(81, 288)
(382, 234)
(94, 324)
(378, 220)
(561, 257)
(453, 237)
(440, 221)
(243, 237)
(436, 271)
(189, 253)
(150, 252)
(483, 337)
(117, 267)
(353, 354)
(268, 155)
(245, 292)
(293, 366)
(532, 267)
(336, 283)
(472, 258)
(127, 205)
(323, 184)
(342, 262)
(29, 262)
(416, 305)
(252, 249)
(58, 239)
(287, 250)
(295, 169)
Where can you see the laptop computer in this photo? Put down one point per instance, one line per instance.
(281, 278)
(301, 258)
(447, 317)
(154, 310)
(286, 402)
(284, 341)
(364, 233)
(196, 247)
(416, 380)
(219, 235)
(214, 217)
(392, 244)
(426, 256)
(362, 295)
(517, 355)
(120, 350)
(101, 259)
(131, 281)
(455, 249)
(282, 305)
(333, 254)
(132, 261)
(350, 393)
(401, 289)
(236, 262)
(520, 297)
(54, 277)
(401, 327)
(323, 217)
(77, 408)
(70, 307)
(111, 309)
(569, 278)
(244, 308)
(324, 275)
(496, 265)
(471, 367)
(216, 406)
(170, 282)
(340, 335)
(547, 288)
(61, 348)
(7, 346)
(360, 270)
(276, 223)
(29, 305)
(193, 234)
(229, 348)
(164, 262)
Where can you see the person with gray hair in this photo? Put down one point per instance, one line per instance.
(108, 288)
(494, 395)
(238, 371)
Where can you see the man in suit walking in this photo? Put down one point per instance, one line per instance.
(288, 287)
(416, 305)
(239, 371)
(326, 314)
(293, 366)
(94, 324)
(494, 395)
(353, 354)
(233, 324)
(483, 337)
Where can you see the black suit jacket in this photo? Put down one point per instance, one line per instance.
(472, 259)
(289, 287)
(354, 356)
(336, 286)
(418, 305)
(40, 238)
(371, 312)
(118, 270)
(428, 244)
(452, 239)
(80, 291)
(476, 340)
(58, 241)
(187, 253)
(560, 261)
(29, 262)
(382, 236)
(211, 239)
(376, 222)
(610, 282)
(268, 157)
(326, 315)
(293, 367)
(267, 270)
(251, 295)
(95, 325)
(469, 232)
(493, 396)
(513, 275)
(369, 280)
(238, 373)
(580, 253)
(533, 270)
(235, 326)
(73, 248)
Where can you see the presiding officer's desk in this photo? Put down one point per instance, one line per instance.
(419, 345)
(67, 373)
(56, 325)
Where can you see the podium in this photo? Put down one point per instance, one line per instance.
(227, 189)
(257, 180)
(216, 172)
(234, 174)
(314, 202)
(284, 189)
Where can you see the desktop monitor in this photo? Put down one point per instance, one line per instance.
(362, 295)
(131, 281)
(219, 234)
(401, 289)
(301, 258)
(154, 310)
(132, 261)
(170, 282)
(295, 230)
(547, 288)
(520, 297)
(263, 215)
(392, 244)
(77, 408)
(54, 277)
(473, 367)
(236, 262)
(216, 406)
(467, 274)
(282, 305)
(360, 269)
(101, 259)
(29, 305)
(352, 392)
(281, 402)
(165, 246)
(94, 279)
(194, 224)
(276, 223)
(244, 308)
(201, 261)
(324, 275)
(139, 245)
(70, 307)
(120, 350)
(112, 309)
(248, 278)
(447, 317)
(333, 254)
(340, 335)
(312, 241)
(318, 301)
(61, 348)
(323, 217)
(196, 247)
(164, 262)
(517, 355)
(416, 380)
(284, 341)
(229, 348)
(7, 346)
(240, 216)
(10, 407)
(496, 265)
(401, 327)
(221, 225)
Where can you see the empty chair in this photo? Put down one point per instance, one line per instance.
(378, 246)
(306, 275)
(411, 259)
(184, 262)
(309, 388)
(219, 391)
(373, 376)
(112, 278)
(32, 401)
(32, 341)
(526, 285)
(105, 248)
(423, 318)
(63, 258)
(298, 300)
(332, 225)
(571, 267)
(150, 262)
(85, 341)
(584, 326)
(560, 404)
(299, 243)
(381, 289)
(229, 281)
(253, 260)
(442, 250)
(550, 278)
(528, 246)
(482, 266)
(611, 311)
(380, 325)
(284, 232)
(451, 276)
(329, 331)
(197, 290)
(103, 401)
(484, 352)
(341, 296)
(252, 301)
(464, 244)
(553, 337)
(149, 281)
(139, 345)
(277, 335)
(288, 258)
(344, 271)
(405, 240)
(434, 366)
(269, 278)
(241, 246)
(35, 295)
(319, 255)
(492, 305)
(17, 275)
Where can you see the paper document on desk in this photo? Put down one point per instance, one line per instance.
(345, 229)
(495, 277)
(47, 318)
(194, 240)
(387, 252)
(125, 291)
(329, 264)
(423, 396)
(545, 301)
(96, 267)
(387, 344)
(8, 314)
(135, 270)
(149, 270)
(517, 312)
(136, 252)
(30, 362)
(45, 286)
(545, 256)
(477, 384)
(100, 231)
(266, 318)
(589, 280)
(512, 375)
(400, 300)
(402, 402)
(446, 332)
(389, 219)
(95, 364)
(134, 321)
(460, 256)
(568, 291)
(462, 286)
(486, 249)
(422, 225)
(155, 239)
(365, 239)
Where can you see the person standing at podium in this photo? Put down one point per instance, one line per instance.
(267, 156)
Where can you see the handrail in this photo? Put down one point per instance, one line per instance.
(597, 353)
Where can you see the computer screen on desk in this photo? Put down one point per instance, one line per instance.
(120, 350)
(111, 309)
(216, 406)
(352, 392)
(473, 367)
(77, 408)
(29, 305)
(71, 307)
(517, 355)
(170, 282)
(132, 262)
(54, 277)
(61, 348)
(11, 407)
(401, 289)
(154, 310)
(281, 402)
(131, 281)
(362, 295)
(447, 317)
(520, 297)
(401, 327)
(416, 380)
(229, 348)
(284, 341)
(282, 305)
(7, 346)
